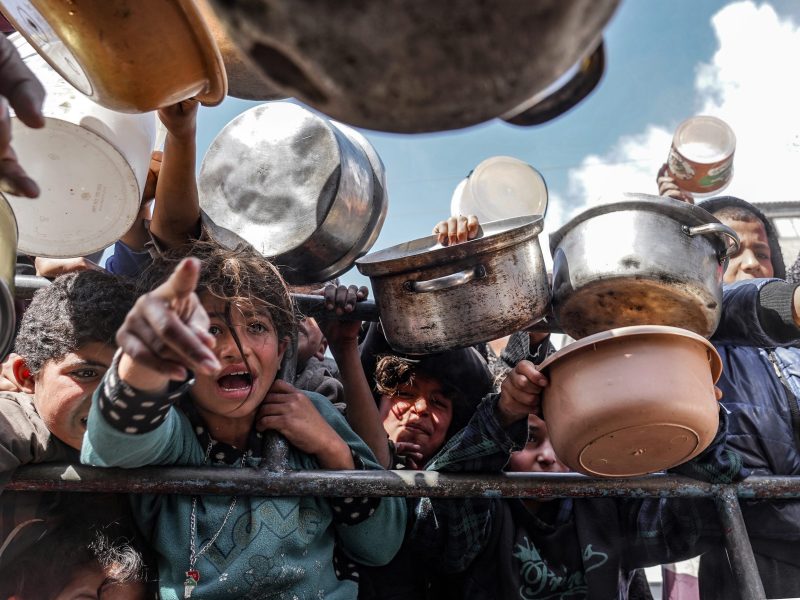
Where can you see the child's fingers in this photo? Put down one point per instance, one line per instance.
(472, 227)
(440, 231)
(279, 386)
(165, 329)
(452, 231)
(182, 283)
(529, 371)
(330, 296)
(363, 293)
(461, 232)
(143, 354)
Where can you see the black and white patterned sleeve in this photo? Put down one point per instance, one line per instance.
(130, 410)
(352, 511)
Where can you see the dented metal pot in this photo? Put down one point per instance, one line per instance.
(434, 298)
(648, 260)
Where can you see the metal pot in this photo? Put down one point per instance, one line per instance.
(647, 260)
(8, 256)
(126, 55)
(296, 187)
(414, 66)
(434, 298)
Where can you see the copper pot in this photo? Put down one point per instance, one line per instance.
(631, 401)
(126, 55)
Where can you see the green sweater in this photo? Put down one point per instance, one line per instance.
(270, 547)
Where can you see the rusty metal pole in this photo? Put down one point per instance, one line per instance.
(737, 544)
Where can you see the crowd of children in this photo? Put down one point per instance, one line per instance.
(170, 355)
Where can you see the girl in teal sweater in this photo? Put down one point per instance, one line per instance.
(193, 383)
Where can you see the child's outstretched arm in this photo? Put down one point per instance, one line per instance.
(176, 215)
(362, 412)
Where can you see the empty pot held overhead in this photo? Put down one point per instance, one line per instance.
(647, 260)
(298, 188)
(415, 66)
(433, 298)
(126, 55)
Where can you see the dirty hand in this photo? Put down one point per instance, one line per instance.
(167, 329)
(520, 393)
(8, 382)
(291, 413)
(340, 300)
(668, 187)
(53, 267)
(411, 452)
(456, 230)
(20, 89)
(180, 119)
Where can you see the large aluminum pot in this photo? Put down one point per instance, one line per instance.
(126, 55)
(8, 259)
(647, 260)
(298, 188)
(434, 298)
(406, 66)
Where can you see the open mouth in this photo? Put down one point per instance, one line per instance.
(417, 428)
(235, 382)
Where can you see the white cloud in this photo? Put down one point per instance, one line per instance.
(751, 83)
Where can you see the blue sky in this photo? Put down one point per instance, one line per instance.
(665, 60)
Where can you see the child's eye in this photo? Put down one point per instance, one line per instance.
(85, 373)
(257, 327)
(215, 330)
(440, 403)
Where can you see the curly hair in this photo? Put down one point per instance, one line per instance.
(75, 310)
(238, 276)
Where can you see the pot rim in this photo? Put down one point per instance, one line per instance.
(426, 252)
(636, 330)
(683, 212)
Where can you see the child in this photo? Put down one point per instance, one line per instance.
(232, 333)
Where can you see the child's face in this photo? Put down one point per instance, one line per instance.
(419, 413)
(538, 455)
(63, 390)
(242, 384)
(754, 259)
(310, 342)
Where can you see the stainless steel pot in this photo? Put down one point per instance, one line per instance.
(433, 298)
(298, 188)
(646, 260)
(8, 259)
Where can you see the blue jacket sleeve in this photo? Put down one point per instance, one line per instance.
(127, 262)
(744, 320)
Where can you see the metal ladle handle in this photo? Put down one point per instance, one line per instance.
(716, 228)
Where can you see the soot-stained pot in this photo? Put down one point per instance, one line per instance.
(295, 186)
(647, 260)
(631, 401)
(414, 66)
(433, 298)
(126, 55)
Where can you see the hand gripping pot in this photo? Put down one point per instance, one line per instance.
(631, 401)
(434, 298)
(91, 164)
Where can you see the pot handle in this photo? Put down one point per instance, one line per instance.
(713, 228)
(446, 282)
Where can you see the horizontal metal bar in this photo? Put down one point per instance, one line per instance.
(189, 480)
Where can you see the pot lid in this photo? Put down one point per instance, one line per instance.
(271, 176)
(621, 332)
(683, 212)
(427, 252)
(501, 187)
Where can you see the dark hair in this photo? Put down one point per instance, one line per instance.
(75, 310)
(462, 373)
(239, 276)
(736, 209)
(45, 568)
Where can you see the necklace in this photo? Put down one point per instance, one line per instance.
(193, 575)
